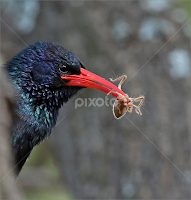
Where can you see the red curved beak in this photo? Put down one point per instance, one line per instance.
(90, 80)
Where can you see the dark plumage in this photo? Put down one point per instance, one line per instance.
(36, 73)
(45, 76)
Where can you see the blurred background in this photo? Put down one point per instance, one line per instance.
(90, 154)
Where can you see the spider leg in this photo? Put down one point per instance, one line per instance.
(116, 103)
(122, 78)
(130, 109)
(141, 99)
(137, 108)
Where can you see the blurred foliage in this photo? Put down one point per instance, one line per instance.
(52, 193)
(41, 157)
(186, 5)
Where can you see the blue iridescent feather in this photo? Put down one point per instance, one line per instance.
(40, 92)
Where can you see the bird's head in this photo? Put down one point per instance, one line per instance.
(46, 67)
(37, 71)
(46, 75)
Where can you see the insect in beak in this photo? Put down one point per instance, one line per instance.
(125, 104)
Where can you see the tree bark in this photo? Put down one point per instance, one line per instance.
(9, 187)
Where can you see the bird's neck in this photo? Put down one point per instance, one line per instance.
(39, 107)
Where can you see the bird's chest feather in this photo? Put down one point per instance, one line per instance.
(37, 112)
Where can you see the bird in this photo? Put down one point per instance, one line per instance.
(45, 76)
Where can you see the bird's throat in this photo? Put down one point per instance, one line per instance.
(39, 108)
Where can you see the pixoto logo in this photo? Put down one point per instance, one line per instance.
(95, 102)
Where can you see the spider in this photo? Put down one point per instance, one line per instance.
(125, 104)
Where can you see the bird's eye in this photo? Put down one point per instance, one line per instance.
(63, 69)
